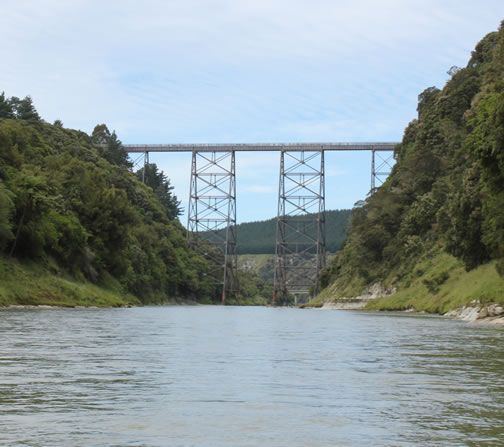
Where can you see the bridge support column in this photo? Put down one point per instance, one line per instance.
(300, 240)
(381, 167)
(142, 160)
(212, 210)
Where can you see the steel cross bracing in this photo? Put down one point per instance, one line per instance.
(140, 162)
(300, 241)
(212, 211)
(381, 167)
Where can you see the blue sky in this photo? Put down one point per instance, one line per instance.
(194, 71)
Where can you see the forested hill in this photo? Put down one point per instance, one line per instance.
(259, 237)
(77, 227)
(435, 230)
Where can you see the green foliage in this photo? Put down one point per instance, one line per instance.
(70, 206)
(24, 109)
(446, 189)
(433, 283)
(443, 284)
(16, 108)
(32, 283)
(160, 184)
(5, 107)
(6, 208)
(111, 147)
(253, 290)
(259, 237)
(486, 144)
(464, 231)
(33, 200)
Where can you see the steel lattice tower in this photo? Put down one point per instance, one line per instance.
(381, 167)
(212, 210)
(300, 240)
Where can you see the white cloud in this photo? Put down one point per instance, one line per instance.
(194, 69)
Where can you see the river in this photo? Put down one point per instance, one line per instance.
(243, 376)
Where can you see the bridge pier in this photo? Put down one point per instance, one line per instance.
(141, 161)
(300, 251)
(381, 167)
(212, 210)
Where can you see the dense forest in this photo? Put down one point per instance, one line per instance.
(435, 229)
(78, 227)
(259, 237)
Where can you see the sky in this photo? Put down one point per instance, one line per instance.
(240, 71)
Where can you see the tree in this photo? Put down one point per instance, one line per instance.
(426, 99)
(160, 184)
(100, 134)
(453, 70)
(5, 107)
(32, 200)
(5, 217)
(115, 152)
(24, 109)
(111, 147)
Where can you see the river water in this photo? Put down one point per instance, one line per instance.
(241, 376)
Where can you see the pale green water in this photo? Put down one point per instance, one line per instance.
(215, 376)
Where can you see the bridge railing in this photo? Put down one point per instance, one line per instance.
(261, 147)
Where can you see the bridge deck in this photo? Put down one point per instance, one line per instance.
(261, 147)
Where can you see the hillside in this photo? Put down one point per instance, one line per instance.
(435, 229)
(78, 228)
(259, 237)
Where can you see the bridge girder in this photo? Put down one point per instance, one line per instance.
(261, 147)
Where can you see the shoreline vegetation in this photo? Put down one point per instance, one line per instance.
(439, 284)
(475, 296)
(79, 227)
(30, 284)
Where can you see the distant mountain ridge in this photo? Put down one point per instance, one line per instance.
(259, 237)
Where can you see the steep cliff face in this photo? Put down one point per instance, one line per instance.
(439, 218)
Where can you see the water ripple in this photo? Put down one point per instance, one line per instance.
(214, 376)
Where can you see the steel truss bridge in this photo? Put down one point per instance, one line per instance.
(300, 252)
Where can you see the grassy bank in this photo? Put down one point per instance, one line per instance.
(441, 283)
(32, 284)
(438, 283)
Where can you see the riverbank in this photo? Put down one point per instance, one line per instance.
(476, 313)
(441, 284)
(30, 284)
(437, 285)
(491, 314)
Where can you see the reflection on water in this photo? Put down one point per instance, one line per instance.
(230, 376)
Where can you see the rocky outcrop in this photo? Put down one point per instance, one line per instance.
(476, 312)
(372, 292)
